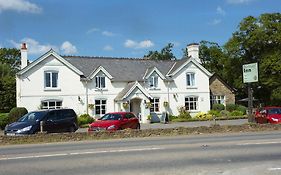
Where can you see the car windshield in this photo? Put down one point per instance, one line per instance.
(111, 117)
(32, 116)
(274, 111)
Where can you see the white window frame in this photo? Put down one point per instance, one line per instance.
(58, 104)
(191, 103)
(218, 99)
(155, 104)
(190, 79)
(100, 107)
(153, 81)
(98, 81)
(51, 83)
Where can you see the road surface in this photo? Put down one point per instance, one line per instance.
(221, 154)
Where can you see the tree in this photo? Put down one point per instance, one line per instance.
(9, 65)
(258, 40)
(164, 54)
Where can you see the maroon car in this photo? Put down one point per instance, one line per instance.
(270, 114)
(115, 121)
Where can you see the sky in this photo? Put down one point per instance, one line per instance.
(121, 28)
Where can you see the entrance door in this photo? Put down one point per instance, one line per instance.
(135, 106)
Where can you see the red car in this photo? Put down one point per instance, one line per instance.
(270, 114)
(115, 121)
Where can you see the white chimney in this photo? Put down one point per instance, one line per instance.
(23, 52)
(193, 51)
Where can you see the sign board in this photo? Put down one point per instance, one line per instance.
(250, 73)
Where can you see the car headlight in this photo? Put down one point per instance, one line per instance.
(24, 129)
(111, 127)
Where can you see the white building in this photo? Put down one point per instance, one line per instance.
(97, 85)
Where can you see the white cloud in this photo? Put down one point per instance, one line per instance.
(19, 6)
(215, 22)
(108, 48)
(107, 33)
(220, 11)
(238, 1)
(34, 47)
(68, 48)
(92, 30)
(138, 45)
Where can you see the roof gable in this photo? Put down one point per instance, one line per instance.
(51, 52)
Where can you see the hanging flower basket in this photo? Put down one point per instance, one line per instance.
(166, 104)
(125, 105)
(91, 106)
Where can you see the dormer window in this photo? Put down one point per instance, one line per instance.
(190, 79)
(51, 79)
(153, 81)
(100, 81)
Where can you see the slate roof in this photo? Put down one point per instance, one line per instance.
(122, 69)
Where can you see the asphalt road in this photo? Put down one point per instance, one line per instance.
(240, 153)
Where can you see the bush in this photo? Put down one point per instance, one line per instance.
(241, 108)
(16, 113)
(214, 113)
(224, 113)
(231, 107)
(4, 120)
(203, 116)
(236, 113)
(184, 114)
(85, 119)
(218, 107)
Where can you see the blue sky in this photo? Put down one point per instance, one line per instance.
(121, 28)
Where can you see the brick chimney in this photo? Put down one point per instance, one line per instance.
(23, 52)
(193, 51)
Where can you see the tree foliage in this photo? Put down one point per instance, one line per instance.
(164, 54)
(9, 65)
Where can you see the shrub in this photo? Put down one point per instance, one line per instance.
(184, 114)
(4, 120)
(85, 119)
(16, 113)
(224, 113)
(203, 116)
(218, 107)
(214, 113)
(236, 113)
(230, 107)
(241, 108)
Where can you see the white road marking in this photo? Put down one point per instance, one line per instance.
(80, 153)
(258, 143)
(274, 169)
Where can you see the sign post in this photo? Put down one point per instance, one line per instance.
(250, 75)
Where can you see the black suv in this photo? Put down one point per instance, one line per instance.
(54, 120)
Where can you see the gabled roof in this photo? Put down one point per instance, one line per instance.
(97, 70)
(182, 63)
(121, 69)
(46, 55)
(150, 71)
(129, 89)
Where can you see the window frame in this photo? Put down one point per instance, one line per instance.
(100, 107)
(155, 104)
(191, 105)
(190, 79)
(50, 81)
(99, 79)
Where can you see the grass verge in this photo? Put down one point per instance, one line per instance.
(66, 137)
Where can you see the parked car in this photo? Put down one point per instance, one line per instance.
(270, 114)
(115, 121)
(54, 120)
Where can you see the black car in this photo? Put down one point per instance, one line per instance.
(54, 120)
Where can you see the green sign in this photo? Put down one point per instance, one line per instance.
(250, 73)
